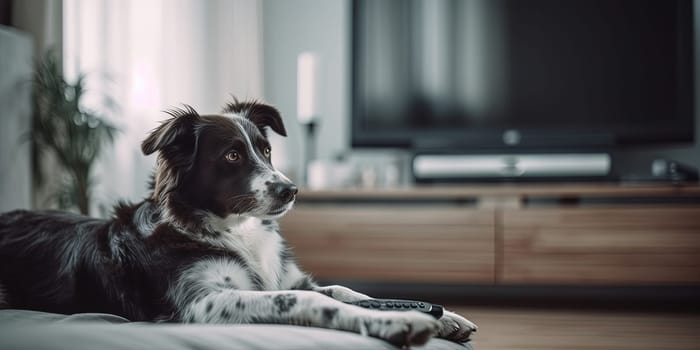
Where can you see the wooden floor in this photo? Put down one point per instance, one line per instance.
(515, 329)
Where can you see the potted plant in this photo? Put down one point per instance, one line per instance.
(64, 130)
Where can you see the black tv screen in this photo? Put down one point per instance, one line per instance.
(546, 74)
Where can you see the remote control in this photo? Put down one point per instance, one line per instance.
(401, 305)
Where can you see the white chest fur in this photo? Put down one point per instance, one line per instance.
(258, 245)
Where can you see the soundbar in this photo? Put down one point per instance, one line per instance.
(460, 166)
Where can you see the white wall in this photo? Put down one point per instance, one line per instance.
(42, 20)
(323, 27)
(15, 91)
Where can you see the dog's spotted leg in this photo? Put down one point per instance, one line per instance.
(218, 291)
(309, 308)
(452, 326)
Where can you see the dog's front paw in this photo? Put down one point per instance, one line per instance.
(401, 328)
(455, 327)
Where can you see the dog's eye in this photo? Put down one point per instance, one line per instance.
(267, 152)
(232, 156)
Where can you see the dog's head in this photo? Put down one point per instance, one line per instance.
(220, 163)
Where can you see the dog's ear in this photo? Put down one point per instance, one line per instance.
(260, 114)
(178, 128)
(264, 115)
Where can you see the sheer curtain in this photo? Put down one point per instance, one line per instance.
(144, 56)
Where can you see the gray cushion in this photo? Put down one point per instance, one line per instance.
(22, 329)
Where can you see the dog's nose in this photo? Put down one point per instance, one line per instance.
(285, 192)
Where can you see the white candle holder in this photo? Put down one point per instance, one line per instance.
(310, 154)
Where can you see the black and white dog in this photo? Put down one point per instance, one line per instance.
(204, 248)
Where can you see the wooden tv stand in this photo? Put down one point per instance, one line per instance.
(515, 234)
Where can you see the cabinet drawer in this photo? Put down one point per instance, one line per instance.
(602, 245)
(415, 243)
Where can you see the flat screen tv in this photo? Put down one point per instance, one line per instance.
(522, 74)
